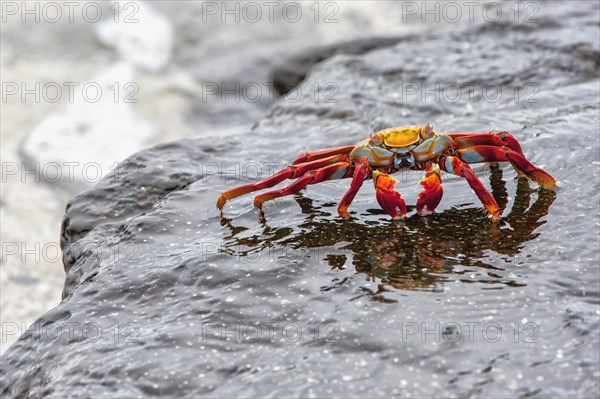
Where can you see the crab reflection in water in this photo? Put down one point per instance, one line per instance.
(416, 253)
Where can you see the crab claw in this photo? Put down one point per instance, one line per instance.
(432, 195)
(389, 199)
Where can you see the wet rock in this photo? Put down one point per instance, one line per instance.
(166, 298)
(172, 103)
(292, 71)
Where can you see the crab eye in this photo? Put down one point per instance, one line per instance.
(429, 128)
(375, 138)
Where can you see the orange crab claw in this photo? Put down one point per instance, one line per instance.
(389, 199)
(432, 195)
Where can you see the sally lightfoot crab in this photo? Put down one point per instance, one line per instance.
(391, 150)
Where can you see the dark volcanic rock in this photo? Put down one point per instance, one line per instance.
(165, 298)
(291, 72)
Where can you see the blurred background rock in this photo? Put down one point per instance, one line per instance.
(165, 70)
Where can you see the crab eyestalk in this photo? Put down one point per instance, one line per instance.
(388, 198)
(427, 131)
(375, 138)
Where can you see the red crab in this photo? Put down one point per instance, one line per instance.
(394, 149)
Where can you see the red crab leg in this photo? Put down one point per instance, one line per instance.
(500, 139)
(432, 195)
(291, 172)
(487, 153)
(457, 167)
(336, 171)
(361, 172)
(312, 155)
(388, 198)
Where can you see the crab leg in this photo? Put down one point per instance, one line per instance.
(457, 167)
(500, 139)
(336, 171)
(432, 195)
(312, 155)
(487, 153)
(291, 172)
(388, 198)
(361, 172)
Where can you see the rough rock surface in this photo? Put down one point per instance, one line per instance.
(165, 298)
(293, 70)
(81, 140)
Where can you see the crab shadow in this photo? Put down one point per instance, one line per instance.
(416, 253)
